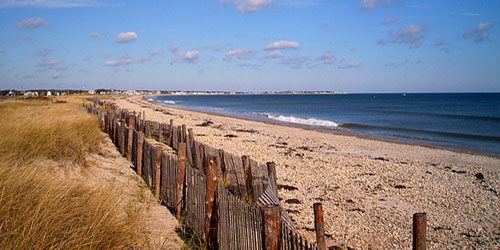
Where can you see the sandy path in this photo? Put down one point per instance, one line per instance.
(369, 188)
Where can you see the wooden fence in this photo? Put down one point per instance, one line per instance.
(229, 201)
(214, 191)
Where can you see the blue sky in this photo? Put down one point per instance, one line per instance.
(251, 45)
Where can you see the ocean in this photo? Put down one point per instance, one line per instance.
(466, 122)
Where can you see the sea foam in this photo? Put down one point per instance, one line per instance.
(170, 102)
(303, 121)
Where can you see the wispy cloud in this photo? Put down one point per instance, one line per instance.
(283, 44)
(127, 61)
(465, 14)
(48, 63)
(31, 23)
(479, 33)
(410, 34)
(240, 54)
(95, 36)
(390, 20)
(370, 4)
(274, 54)
(327, 58)
(44, 52)
(214, 47)
(121, 62)
(126, 37)
(440, 42)
(295, 62)
(349, 65)
(155, 52)
(250, 5)
(381, 41)
(54, 3)
(57, 75)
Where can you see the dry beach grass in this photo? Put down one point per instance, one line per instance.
(64, 186)
(369, 188)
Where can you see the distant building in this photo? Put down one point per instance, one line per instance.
(31, 93)
(49, 93)
(92, 92)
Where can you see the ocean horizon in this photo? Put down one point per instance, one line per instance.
(464, 122)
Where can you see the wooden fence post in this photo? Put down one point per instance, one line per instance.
(115, 123)
(248, 178)
(183, 134)
(171, 134)
(181, 166)
(210, 205)
(140, 146)
(271, 217)
(271, 172)
(319, 226)
(419, 228)
(130, 138)
(158, 171)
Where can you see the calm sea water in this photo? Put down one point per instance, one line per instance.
(463, 122)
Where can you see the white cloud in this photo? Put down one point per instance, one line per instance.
(31, 23)
(126, 37)
(48, 63)
(327, 58)
(283, 44)
(411, 34)
(479, 33)
(390, 20)
(52, 3)
(250, 5)
(349, 65)
(191, 56)
(188, 57)
(274, 54)
(121, 62)
(95, 36)
(127, 61)
(370, 4)
(240, 54)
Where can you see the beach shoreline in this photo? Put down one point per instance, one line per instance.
(369, 188)
(336, 131)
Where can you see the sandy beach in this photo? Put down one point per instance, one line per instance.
(369, 188)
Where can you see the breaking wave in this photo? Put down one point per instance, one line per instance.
(303, 121)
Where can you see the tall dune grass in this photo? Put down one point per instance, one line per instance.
(39, 211)
(32, 130)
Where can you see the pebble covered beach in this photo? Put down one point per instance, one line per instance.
(369, 188)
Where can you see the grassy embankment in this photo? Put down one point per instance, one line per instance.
(41, 210)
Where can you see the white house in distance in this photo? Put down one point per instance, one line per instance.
(92, 92)
(48, 93)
